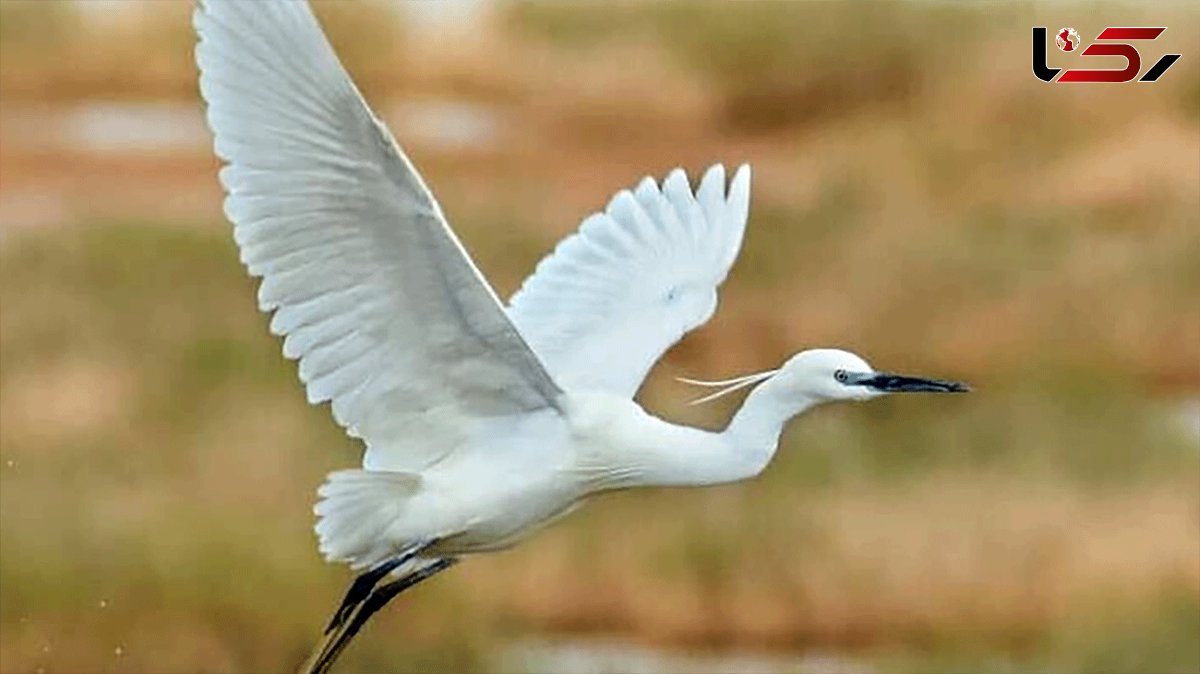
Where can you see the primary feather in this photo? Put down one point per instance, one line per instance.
(388, 316)
(613, 297)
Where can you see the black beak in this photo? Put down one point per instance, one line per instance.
(899, 383)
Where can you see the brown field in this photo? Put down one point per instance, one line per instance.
(919, 197)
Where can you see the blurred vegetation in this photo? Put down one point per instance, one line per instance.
(790, 64)
(919, 197)
(782, 63)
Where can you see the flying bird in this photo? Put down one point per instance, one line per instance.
(481, 421)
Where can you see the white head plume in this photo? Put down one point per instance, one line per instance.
(726, 386)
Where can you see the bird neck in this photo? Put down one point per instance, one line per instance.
(754, 431)
(667, 455)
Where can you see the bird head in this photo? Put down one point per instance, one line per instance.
(824, 375)
(833, 374)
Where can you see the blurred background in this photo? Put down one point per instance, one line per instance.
(919, 197)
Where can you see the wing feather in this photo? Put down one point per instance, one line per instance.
(613, 297)
(390, 320)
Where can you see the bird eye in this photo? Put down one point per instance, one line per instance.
(840, 375)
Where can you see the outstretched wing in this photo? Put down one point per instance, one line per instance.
(613, 297)
(388, 316)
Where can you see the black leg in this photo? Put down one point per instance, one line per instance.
(365, 582)
(363, 610)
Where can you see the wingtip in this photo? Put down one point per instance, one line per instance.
(676, 175)
(714, 175)
(203, 10)
(740, 185)
(199, 16)
(647, 183)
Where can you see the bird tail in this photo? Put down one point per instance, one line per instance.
(356, 509)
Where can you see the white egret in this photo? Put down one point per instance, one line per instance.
(481, 421)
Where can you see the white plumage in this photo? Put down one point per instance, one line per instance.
(388, 316)
(481, 423)
(633, 280)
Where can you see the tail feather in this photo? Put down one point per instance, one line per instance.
(355, 511)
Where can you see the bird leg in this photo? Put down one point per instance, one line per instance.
(360, 612)
(365, 582)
